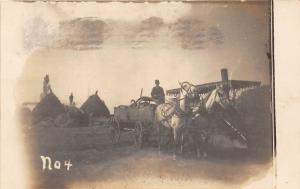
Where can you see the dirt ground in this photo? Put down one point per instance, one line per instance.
(96, 161)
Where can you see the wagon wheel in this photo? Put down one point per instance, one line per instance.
(115, 131)
(138, 135)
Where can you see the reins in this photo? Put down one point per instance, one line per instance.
(178, 112)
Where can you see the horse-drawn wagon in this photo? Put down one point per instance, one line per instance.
(138, 118)
(193, 114)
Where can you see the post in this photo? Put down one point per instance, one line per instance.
(224, 75)
(141, 94)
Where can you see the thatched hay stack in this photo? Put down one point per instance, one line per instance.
(73, 117)
(48, 108)
(254, 107)
(95, 106)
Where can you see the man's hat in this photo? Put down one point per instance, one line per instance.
(156, 81)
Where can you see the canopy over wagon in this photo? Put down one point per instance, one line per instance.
(228, 84)
(207, 87)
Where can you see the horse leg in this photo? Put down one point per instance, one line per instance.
(181, 144)
(159, 137)
(197, 145)
(199, 141)
(183, 137)
(174, 143)
(178, 138)
(204, 143)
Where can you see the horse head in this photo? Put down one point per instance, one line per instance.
(187, 89)
(217, 98)
(217, 106)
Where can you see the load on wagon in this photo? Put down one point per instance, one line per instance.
(137, 117)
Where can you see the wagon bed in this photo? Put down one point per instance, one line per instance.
(137, 117)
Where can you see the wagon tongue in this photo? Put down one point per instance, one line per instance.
(234, 129)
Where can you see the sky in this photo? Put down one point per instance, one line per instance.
(119, 48)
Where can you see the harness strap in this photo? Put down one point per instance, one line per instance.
(235, 129)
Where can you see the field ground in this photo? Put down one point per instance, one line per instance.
(96, 161)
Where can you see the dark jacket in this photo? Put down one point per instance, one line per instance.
(158, 94)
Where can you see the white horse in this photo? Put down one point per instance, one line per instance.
(175, 115)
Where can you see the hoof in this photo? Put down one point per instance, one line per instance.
(174, 157)
(199, 155)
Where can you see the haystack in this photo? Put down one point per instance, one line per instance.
(47, 109)
(95, 106)
(254, 107)
(73, 117)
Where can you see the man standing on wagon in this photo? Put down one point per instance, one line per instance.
(158, 93)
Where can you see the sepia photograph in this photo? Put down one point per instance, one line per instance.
(142, 95)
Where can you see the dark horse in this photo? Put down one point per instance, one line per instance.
(203, 130)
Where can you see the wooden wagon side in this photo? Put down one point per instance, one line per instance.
(137, 118)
